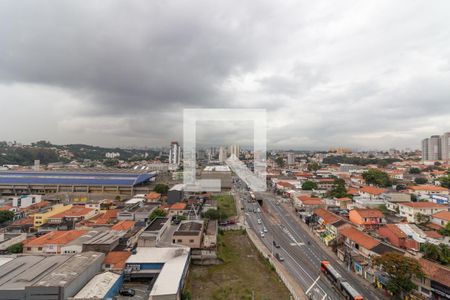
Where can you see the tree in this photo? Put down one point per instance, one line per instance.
(444, 181)
(420, 180)
(110, 162)
(438, 253)
(157, 213)
(400, 270)
(338, 190)
(6, 215)
(414, 171)
(422, 219)
(280, 161)
(214, 214)
(16, 248)
(161, 188)
(309, 185)
(377, 177)
(313, 167)
(446, 230)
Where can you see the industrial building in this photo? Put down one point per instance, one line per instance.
(39, 277)
(168, 268)
(24, 182)
(102, 286)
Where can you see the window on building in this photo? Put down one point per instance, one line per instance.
(191, 241)
(28, 248)
(39, 248)
(179, 241)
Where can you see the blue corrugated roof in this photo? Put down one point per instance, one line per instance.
(78, 178)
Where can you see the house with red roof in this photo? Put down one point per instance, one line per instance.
(115, 260)
(51, 242)
(425, 191)
(369, 196)
(397, 237)
(436, 284)
(410, 210)
(307, 203)
(74, 214)
(329, 224)
(441, 218)
(366, 218)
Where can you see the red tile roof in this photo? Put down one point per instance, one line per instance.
(352, 191)
(359, 237)
(443, 215)
(372, 190)
(24, 221)
(423, 204)
(178, 206)
(433, 234)
(435, 271)
(117, 259)
(368, 213)
(106, 217)
(56, 238)
(123, 225)
(285, 184)
(327, 217)
(343, 199)
(153, 196)
(75, 211)
(395, 230)
(429, 188)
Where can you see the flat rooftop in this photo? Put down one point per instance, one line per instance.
(156, 224)
(74, 178)
(70, 270)
(98, 287)
(27, 270)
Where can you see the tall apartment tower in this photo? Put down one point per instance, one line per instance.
(174, 155)
(291, 158)
(222, 154)
(445, 146)
(425, 143)
(434, 148)
(235, 149)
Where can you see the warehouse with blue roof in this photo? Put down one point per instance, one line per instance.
(24, 182)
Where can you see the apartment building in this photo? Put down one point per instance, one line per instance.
(410, 210)
(42, 218)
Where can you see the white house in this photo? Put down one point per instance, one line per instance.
(409, 210)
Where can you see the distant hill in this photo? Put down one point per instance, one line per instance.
(49, 153)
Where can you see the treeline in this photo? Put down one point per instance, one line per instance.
(342, 159)
(27, 156)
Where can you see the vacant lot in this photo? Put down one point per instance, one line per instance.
(245, 272)
(226, 205)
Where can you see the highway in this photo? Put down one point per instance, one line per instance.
(301, 258)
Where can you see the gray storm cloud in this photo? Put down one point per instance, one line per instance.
(365, 75)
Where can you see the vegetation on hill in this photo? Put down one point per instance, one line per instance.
(343, 159)
(377, 177)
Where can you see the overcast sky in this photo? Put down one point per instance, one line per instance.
(361, 74)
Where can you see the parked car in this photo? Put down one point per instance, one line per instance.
(127, 292)
(279, 257)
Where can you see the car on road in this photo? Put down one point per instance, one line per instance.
(259, 221)
(262, 234)
(258, 210)
(265, 230)
(127, 292)
(279, 257)
(275, 244)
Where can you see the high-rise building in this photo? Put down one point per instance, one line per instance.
(425, 143)
(445, 146)
(235, 150)
(434, 148)
(222, 154)
(174, 155)
(291, 158)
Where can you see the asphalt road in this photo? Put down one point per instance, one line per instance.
(301, 259)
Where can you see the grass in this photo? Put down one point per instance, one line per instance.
(243, 273)
(225, 204)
